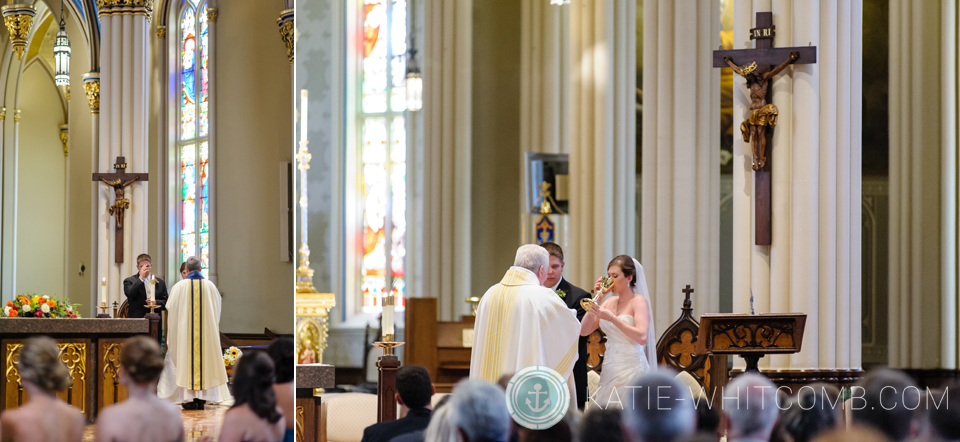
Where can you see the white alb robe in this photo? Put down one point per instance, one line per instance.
(193, 367)
(520, 323)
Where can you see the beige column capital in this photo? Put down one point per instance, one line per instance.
(125, 7)
(287, 32)
(91, 85)
(212, 14)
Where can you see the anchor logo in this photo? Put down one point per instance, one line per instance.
(536, 392)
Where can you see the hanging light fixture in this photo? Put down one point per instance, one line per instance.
(414, 81)
(559, 2)
(61, 53)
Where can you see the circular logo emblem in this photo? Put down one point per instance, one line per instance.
(537, 397)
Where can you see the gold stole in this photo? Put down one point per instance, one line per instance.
(196, 334)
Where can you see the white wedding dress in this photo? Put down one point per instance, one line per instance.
(623, 360)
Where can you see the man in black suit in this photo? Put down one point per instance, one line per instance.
(413, 392)
(135, 288)
(572, 295)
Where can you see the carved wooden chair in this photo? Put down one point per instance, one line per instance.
(677, 349)
(124, 309)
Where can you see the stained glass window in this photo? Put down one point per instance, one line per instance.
(383, 151)
(194, 128)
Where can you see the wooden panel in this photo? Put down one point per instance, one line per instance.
(309, 425)
(421, 334)
(450, 334)
(111, 391)
(76, 354)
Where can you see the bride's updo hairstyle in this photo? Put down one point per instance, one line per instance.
(625, 263)
(142, 360)
(40, 365)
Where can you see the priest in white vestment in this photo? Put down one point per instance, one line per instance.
(193, 371)
(520, 323)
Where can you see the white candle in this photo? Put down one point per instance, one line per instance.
(387, 316)
(303, 115)
(151, 289)
(103, 292)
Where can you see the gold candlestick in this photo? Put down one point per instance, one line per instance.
(103, 310)
(388, 344)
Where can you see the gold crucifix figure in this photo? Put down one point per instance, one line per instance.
(119, 202)
(119, 181)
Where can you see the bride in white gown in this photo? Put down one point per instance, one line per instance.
(627, 320)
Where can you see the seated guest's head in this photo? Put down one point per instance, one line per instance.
(479, 410)
(856, 433)
(40, 365)
(815, 409)
(750, 404)
(281, 351)
(140, 362)
(601, 424)
(253, 385)
(535, 259)
(561, 431)
(708, 419)
(413, 387)
(884, 399)
(504, 381)
(943, 415)
(700, 436)
(665, 417)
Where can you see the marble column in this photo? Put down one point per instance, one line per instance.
(442, 190)
(91, 88)
(123, 132)
(680, 240)
(602, 135)
(923, 185)
(813, 264)
(544, 77)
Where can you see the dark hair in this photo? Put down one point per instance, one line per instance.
(625, 263)
(602, 424)
(891, 415)
(193, 264)
(281, 351)
(553, 249)
(41, 365)
(253, 385)
(413, 386)
(183, 266)
(945, 418)
(142, 359)
(559, 432)
(708, 418)
(812, 412)
(143, 257)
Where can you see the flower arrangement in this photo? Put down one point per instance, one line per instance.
(231, 356)
(31, 305)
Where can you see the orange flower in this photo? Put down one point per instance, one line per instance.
(51, 303)
(9, 303)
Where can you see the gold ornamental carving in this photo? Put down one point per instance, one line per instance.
(299, 430)
(64, 136)
(212, 14)
(161, 31)
(73, 355)
(312, 310)
(16, 116)
(92, 89)
(111, 362)
(18, 19)
(125, 7)
(287, 33)
(3, 113)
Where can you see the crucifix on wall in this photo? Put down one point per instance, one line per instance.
(758, 66)
(119, 181)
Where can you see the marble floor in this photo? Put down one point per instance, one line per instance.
(197, 423)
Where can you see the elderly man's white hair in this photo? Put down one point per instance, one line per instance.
(532, 257)
(479, 410)
(658, 409)
(750, 403)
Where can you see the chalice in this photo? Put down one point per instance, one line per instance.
(605, 283)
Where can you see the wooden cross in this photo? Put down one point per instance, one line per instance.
(758, 66)
(686, 297)
(119, 180)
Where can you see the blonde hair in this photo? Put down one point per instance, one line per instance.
(142, 359)
(40, 364)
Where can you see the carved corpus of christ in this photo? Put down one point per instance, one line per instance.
(763, 115)
(120, 203)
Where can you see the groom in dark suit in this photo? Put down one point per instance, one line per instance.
(571, 295)
(135, 288)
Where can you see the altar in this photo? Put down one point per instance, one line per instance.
(90, 348)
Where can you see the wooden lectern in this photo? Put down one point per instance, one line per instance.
(751, 336)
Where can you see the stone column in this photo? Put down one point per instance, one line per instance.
(923, 234)
(91, 87)
(680, 241)
(544, 77)
(602, 135)
(813, 265)
(443, 230)
(123, 129)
